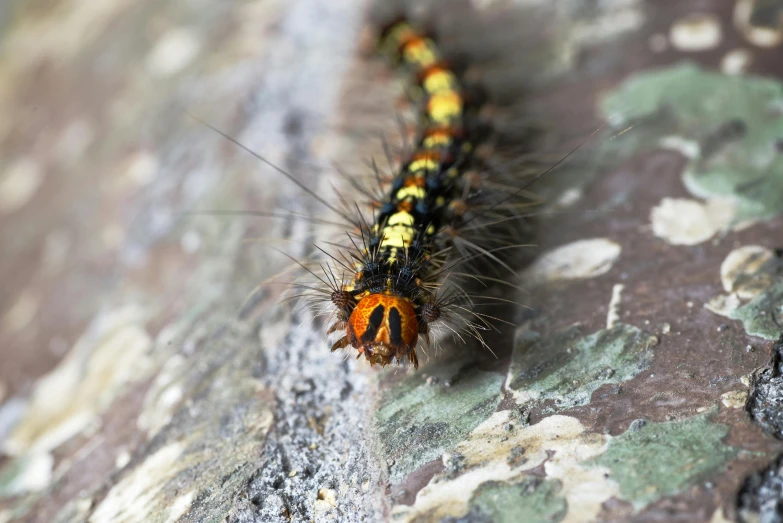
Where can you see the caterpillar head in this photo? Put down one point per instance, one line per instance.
(384, 327)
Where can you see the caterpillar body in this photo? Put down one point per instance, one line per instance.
(395, 293)
(448, 206)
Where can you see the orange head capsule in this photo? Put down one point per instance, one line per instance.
(384, 327)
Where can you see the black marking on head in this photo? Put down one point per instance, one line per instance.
(395, 327)
(375, 320)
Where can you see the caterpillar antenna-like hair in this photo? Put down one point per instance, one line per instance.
(275, 167)
(538, 176)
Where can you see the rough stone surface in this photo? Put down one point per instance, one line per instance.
(766, 401)
(761, 497)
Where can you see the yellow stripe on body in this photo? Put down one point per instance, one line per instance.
(445, 108)
(440, 91)
(437, 141)
(411, 192)
(391, 257)
(422, 53)
(423, 164)
(398, 232)
(398, 236)
(400, 218)
(440, 81)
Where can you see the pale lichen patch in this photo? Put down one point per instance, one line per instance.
(174, 51)
(613, 316)
(123, 458)
(111, 354)
(688, 148)
(748, 275)
(696, 32)
(757, 34)
(741, 271)
(19, 182)
(619, 18)
(29, 473)
(131, 500)
(681, 221)
(577, 260)
(734, 399)
(736, 61)
(723, 304)
(138, 170)
(180, 506)
(164, 396)
(559, 443)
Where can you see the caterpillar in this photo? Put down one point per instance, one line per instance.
(395, 295)
(446, 208)
(390, 300)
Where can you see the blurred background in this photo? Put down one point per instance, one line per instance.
(100, 158)
(103, 277)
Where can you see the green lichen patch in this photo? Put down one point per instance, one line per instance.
(751, 274)
(729, 127)
(758, 315)
(533, 500)
(653, 460)
(569, 366)
(420, 419)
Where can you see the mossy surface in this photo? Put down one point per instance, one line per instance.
(420, 420)
(653, 460)
(757, 315)
(569, 366)
(729, 128)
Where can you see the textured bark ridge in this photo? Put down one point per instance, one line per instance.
(142, 380)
